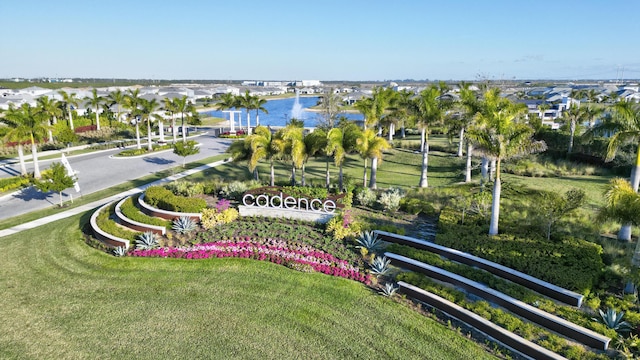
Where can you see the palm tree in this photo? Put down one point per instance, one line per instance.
(625, 127)
(314, 143)
(258, 106)
(132, 101)
(366, 107)
(182, 106)
(622, 204)
(246, 101)
(470, 109)
(117, 97)
(69, 101)
(95, 101)
(429, 112)
(147, 107)
(574, 115)
(499, 135)
(371, 146)
(290, 145)
(542, 108)
(340, 141)
(170, 107)
(49, 108)
(26, 123)
(262, 145)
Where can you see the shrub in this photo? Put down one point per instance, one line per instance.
(120, 251)
(380, 266)
(147, 241)
(369, 241)
(613, 320)
(186, 188)
(12, 183)
(390, 199)
(342, 226)
(110, 227)
(234, 190)
(183, 225)
(164, 199)
(213, 217)
(388, 290)
(366, 197)
(132, 212)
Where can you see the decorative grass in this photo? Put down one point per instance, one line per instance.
(63, 299)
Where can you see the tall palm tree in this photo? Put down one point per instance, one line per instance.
(371, 146)
(26, 123)
(264, 145)
(622, 204)
(117, 97)
(625, 127)
(366, 107)
(95, 101)
(70, 101)
(574, 116)
(429, 112)
(258, 106)
(499, 135)
(290, 145)
(147, 107)
(182, 106)
(132, 102)
(170, 107)
(246, 101)
(50, 109)
(226, 101)
(470, 109)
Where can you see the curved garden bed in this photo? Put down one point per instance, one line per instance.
(135, 225)
(104, 236)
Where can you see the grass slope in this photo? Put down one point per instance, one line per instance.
(62, 300)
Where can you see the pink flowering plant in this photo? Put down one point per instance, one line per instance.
(273, 250)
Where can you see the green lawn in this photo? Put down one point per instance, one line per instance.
(62, 299)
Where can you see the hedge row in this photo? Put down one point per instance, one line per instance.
(129, 210)
(109, 226)
(162, 198)
(503, 319)
(504, 286)
(12, 183)
(571, 263)
(136, 152)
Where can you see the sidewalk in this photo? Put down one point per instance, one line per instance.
(92, 205)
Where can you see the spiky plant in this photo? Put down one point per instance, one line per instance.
(183, 225)
(120, 251)
(369, 240)
(388, 290)
(380, 266)
(613, 320)
(147, 241)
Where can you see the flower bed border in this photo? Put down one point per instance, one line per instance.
(103, 236)
(165, 214)
(135, 225)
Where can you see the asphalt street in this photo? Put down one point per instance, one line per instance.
(97, 171)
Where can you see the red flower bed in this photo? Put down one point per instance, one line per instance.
(81, 129)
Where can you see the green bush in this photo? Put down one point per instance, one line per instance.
(13, 183)
(136, 152)
(162, 198)
(186, 188)
(570, 263)
(129, 210)
(109, 226)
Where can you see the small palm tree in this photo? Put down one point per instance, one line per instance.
(132, 101)
(147, 107)
(429, 113)
(574, 115)
(314, 143)
(117, 98)
(247, 102)
(50, 108)
(260, 146)
(371, 146)
(290, 142)
(258, 106)
(70, 101)
(182, 106)
(26, 123)
(95, 101)
(622, 204)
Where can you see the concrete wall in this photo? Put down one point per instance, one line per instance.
(319, 217)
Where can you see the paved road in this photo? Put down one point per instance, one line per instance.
(97, 171)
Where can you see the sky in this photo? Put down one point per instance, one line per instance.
(356, 40)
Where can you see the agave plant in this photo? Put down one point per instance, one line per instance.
(369, 240)
(389, 290)
(120, 251)
(380, 266)
(613, 320)
(147, 241)
(183, 225)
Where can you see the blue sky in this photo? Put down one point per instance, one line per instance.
(325, 40)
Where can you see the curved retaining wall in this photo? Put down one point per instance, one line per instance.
(508, 338)
(543, 287)
(165, 214)
(103, 236)
(135, 225)
(549, 321)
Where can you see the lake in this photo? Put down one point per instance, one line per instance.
(280, 112)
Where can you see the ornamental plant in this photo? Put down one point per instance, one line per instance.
(213, 217)
(343, 226)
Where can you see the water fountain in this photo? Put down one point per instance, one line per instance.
(296, 110)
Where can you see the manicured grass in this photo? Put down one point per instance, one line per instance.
(64, 299)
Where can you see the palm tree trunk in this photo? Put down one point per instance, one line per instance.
(328, 175)
(50, 136)
(138, 146)
(402, 132)
(256, 176)
(302, 180)
(184, 133)
(495, 203)
(572, 128)
(272, 175)
(374, 173)
(248, 123)
(423, 134)
(484, 169)
(34, 153)
(391, 131)
(424, 182)
(364, 175)
(173, 129)
(625, 231)
(467, 177)
(340, 177)
(149, 146)
(97, 120)
(23, 167)
(293, 175)
(257, 119)
(492, 169)
(461, 142)
(70, 119)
